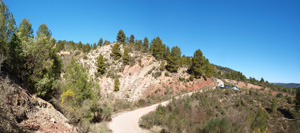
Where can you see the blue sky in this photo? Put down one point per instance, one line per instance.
(260, 38)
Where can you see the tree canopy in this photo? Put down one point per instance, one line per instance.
(25, 29)
(131, 40)
(100, 42)
(44, 31)
(121, 36)
(198, 61)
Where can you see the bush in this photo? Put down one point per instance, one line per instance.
(274, 106)
(141, 103)
(167, 74)
(116, 86)
(156, 75)
(279, 95)
(260, 120)
(181, 79)
(217, 125)
(85, 57)
(191, 78)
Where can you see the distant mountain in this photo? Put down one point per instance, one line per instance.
(289, 85)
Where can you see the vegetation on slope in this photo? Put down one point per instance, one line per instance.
(224, 111)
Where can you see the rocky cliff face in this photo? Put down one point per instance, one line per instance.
(21, 112)
(142, 76)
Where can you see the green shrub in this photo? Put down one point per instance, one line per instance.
(191, 78)
(181, 79)
(116, 86)
(217, 125)
(260, 120)
(85, 57)
(279, 95)
(156, 74)
(274, 106)
(167, 74)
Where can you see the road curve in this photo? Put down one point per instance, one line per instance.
(127, 122)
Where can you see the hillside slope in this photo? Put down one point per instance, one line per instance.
(142, 76)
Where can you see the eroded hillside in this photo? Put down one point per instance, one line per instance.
(143, 77)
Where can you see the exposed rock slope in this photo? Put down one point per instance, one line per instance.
(21, 112)
(143, 75)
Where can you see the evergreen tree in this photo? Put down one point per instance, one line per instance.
(106, 42)
(116, 86)
(25, 30)
(173, 59)
(197, 67)
(15, 60)
(125, 56)
(209, 69)
(44, 31)
(139, 45)
(7, 24)
(167, 54)
(94, 46)
(101, 66)
(260, 120)
(262, 80)
(52, 41)
(80, 45)
(157, 48)
(131, 40)
(151, 48)
(184, 61)
(100, 42)
(121, 36)
(146, 44)
(115, 52)
(274, 106)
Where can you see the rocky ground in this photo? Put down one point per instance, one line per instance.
(21, 112)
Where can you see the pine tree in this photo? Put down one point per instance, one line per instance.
(94, 46)
(25, 30)
(157, 48)
(139, 45)
(101, 66)
(262, 80)
(173, 59)
(7, 23)
(167, 53)
(116, 86)
(15, 59)
(100, 42)
(131, 40)
(146, 44)
(197, 67)
(44, 31)
(125, 56)
(209, 69)
(274, 106)
(115, 51)
(80, 46)
(121, 36)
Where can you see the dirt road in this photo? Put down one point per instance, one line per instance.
(127, 122)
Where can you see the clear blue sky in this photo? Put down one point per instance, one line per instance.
(260, 38)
